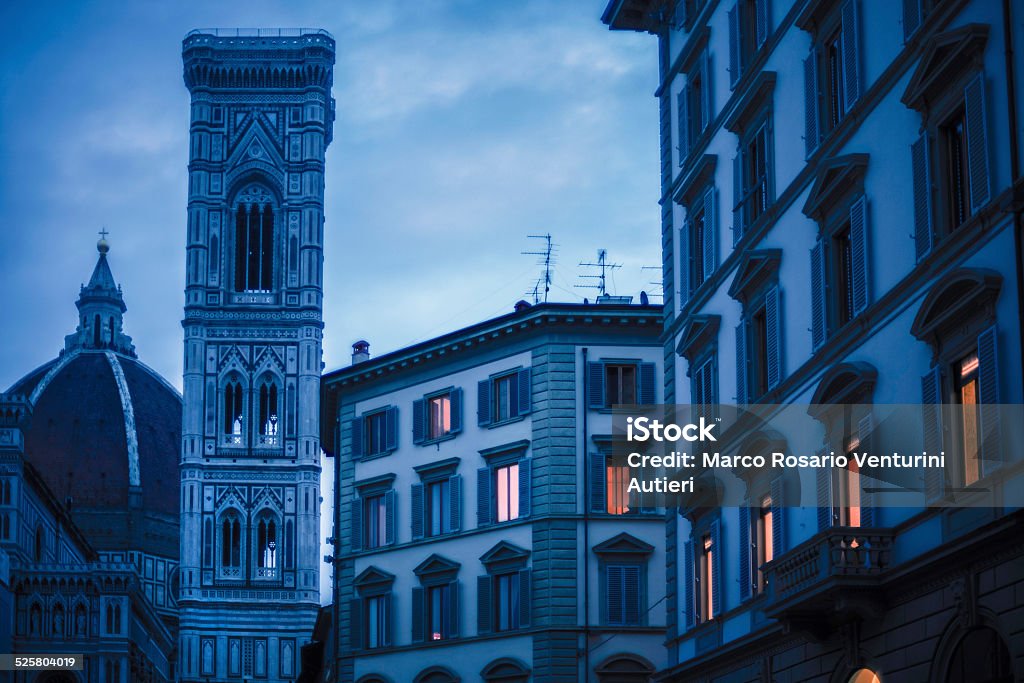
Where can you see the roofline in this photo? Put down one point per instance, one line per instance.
(534, 313)
(59, 510)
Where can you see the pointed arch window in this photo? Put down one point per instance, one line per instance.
(254, 241)
(267, 548)
(231, 546)
(269, 412)
(40, 545)
(234, 416)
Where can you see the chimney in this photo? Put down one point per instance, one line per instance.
(521, 306)
(360, 351)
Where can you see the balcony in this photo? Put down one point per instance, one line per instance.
(830, 579)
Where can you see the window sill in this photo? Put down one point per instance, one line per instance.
(431, 442)
(374, 456)
(502, 423)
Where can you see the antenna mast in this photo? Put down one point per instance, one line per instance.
(545, 258)
(604, 266)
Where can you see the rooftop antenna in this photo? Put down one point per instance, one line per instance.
(660, 291)
(604, 266)
(545, 258)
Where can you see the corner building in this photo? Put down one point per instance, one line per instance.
(261, 120)
(841, 228)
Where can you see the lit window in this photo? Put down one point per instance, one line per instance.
(439, 416)
(848, 489)
(266, 544)
(233, 412)
(765, 540)
(969, 398)
(617, 481)
(268, 407)
(438, 616)
(507, 492)
(706, 594)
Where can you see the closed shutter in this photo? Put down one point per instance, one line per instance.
(867, 478)
(741, 363)
(735, 57)
(357, 437)
(911, 18)
(851, 53)
(419, 421)
(683, 115)
(484, 618)
(483, 402)
(746, 553)
(355, 624)
(819, 296)
(419, 615)
(737, 199)
(761, 21)
(778, 508)
(524, 403)
(455, 501)
(716, 568)
(710, 231)
(525, 599)
(648, 373)
(812, 128)
(390, 530)
(922, 187)
(706, 94)
(977, 142)
(391, 428)
(483, 496)
(452, 614)
(684, 262)
(931, 408)
(595, 385)
(860, 255)
(689, 584)
(631, 595)
(525, 486)
(356, 520)
(389, 619)
(416, 503)
(614, 595)
(988, 391)
(455, 410)
(598, 500)
(826, 513)
(773, 323)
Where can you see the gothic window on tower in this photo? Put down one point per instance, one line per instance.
(266, 548)
(254, 241)
(230, 547)
(234, 415)
(269, 413)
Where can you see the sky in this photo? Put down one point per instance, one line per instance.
(462, 128)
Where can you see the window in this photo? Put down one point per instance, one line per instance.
(268, 413)
(254, 241)
(610, 477)
(957, 178)
(437, 416)
(617, 478)
(623, 595)
(706, 596)
(438, 512)
(848, 487)
(503, 486)
(832, 74)
(612, 383)
(506, 603)
(753, 178)
(437, 502)
(113, 671)
(843, 268)
(704, 387)
(759, 341)
(507, 492)
(266, 549)
(377, 626)
(503, 594)
(761, 537)
(375, 432)
(435, 603)
(113, 618)
(698, 250)
(371, 613)
(702, 556)
(373, 513)
(694, 105)
(748, 31)
(842, 499)
(967, 395)
(765, 540)
(231, 546)
(504, 397)
(439, 613)
(233, 413)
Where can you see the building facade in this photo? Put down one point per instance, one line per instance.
(841, 228)
(261, 120)
(483, 529)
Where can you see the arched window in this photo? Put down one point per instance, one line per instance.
(40, 546)
(231, 545)
(96, 327)
(981, 656)
(110, 325)
(58, 621)
(268, 416)
(254, 241)
(864, 676)
(233, 414)
(5, 492)
(266, 548)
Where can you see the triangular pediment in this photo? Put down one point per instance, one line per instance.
(258, 145)
(624, 543)
(504, 552)
(945, 57)
(698, 332)
(755, 268)
(436, 564)
(837, 177)
(372, 576)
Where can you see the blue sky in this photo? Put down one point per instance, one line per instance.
(462, 127)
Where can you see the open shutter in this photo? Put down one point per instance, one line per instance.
(595, 385)
(484, 618)
(931, 407)
(812, 128)
(977, 142)
(911, 18)
(735, 65)
(710, 231)
(746, 554)
(778, 493)
(419, 615)
(525, 597)
(859, 255)
(683, 116)
(525, 486)
(483, 496)
(922, 183)
(483, 402)
(773, 325)
(826, 513)
(716, 568)
(741, 363)
(391, 428)
(524, 404)
(761, 21)
(737, 199)
(819, 294)
(355, 623)
(684, 261)
(647, 380)
(705, 84)
(357, 437)
(865, 431)
(452, 614)
(598, 501)
(455, 502)
(417, 511)
(689, 583)
(419, 421)
(988, 391)
(455, 408)
(631, 594)
(389, 620)
(356, 520)
(851, 53)
(390, 530)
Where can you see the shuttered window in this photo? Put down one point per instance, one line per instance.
(748, 31)
(623, 595)
(612, 383)
(504, 397)
(375, 433)
(437, 507)
(437, 416)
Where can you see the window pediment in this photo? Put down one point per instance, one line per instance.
(839, 177)
(760, 93)
(509, 452)
(503, 556)
(843, 383)
(505, 669)
(694, 45)
(957, 297)
(699, 333)
(697, 179)
(756, 268)
(374, 485)
(623, 544)
(437, 470)
(374, 578)
(437, 569)
(946, 57)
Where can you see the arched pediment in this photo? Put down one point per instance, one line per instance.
(946, 56)
(960, 294)
(436, 674)
(844, 383)
(505, 669)
(837, 177)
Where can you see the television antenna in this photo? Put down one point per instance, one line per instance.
(603, 267)
(545, 259)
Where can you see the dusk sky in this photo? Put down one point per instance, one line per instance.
(461, 128)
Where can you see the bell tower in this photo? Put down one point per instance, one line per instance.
(261, 119)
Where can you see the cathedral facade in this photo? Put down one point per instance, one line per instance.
(261, 120)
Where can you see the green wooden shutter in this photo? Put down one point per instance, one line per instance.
(684, 262)
(356, 520)
(851, 53)
(922, 189)
(355, 624)
(452, 613)
(484, 615)
(746, 553)
(455, 502)
(819, 296)
(614, 595)
(483, 496)
(735, 46)
(525, 597)
(826, 512)
(761, 22)
(865, 433)
(812, 129)
(390, 528)
(419, 421)
(417, 511)
(988, 391)
(778, 530)
(419, 615)
(648, 373)
(524, 402)
(598, 492)
(742, 363)
(391, 428)
(911, 18)
(977, 142)
(357, 437)
(710, 233)
(483, 402)
(860, 255)
(525, 486)
(773, 323)
(683, 116)
(689, 586)
(931, 407)
(455, 407)
(716, 567)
